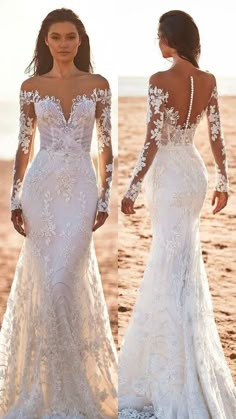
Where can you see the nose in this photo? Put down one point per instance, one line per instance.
(63, 43)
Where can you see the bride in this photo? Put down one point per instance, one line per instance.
(171, 363)
(57, 354)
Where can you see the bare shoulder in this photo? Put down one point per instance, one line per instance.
(210, 76)
(100, 82)
(93, 81)
(161, 79)
(29, 84)
(165, 78)
(157, 78)
(205, 73)
(207, 79)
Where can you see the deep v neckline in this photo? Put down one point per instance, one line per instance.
(59, 105)
(57, 101)
(76, 99)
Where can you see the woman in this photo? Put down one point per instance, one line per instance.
(57, 354)
(171, 362)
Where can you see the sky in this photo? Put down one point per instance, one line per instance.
(122, 35)
(138, 46)
(20, 24)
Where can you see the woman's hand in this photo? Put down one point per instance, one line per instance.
(220, 199)
(127, 206)
(100, 220)
(17, 219)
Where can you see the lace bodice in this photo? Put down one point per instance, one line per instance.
(164, 130)
(72, 135)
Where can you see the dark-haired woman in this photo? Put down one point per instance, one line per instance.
(57, 354)
(172, 364)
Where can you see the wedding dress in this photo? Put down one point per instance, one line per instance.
(171, 363)
(57, 354)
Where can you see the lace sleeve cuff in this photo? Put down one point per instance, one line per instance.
(222, 183)
(16, 190)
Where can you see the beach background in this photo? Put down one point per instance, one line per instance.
(20, 37)
(123, 41)
(140, 58)
(218, 232)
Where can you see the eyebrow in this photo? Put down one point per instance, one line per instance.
(69, 33)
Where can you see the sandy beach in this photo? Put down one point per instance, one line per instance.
(105, 240)
(218, 232)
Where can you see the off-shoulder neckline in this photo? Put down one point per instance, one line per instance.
(103, 94)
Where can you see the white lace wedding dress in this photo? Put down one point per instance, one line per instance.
(171, 363)
(57, 354)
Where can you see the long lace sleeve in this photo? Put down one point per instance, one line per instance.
(25, 138)
(155, 117)
(217, 142)
(105, 154)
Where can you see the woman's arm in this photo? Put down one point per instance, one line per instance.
(105, 154)
(219, 152)
(155, 118)
(217, 142)
(27, 127)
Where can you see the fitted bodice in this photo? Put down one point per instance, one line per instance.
(59, 133)
(65, 136)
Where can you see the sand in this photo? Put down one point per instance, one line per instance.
(218, 232)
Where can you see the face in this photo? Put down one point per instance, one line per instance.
(63, 41)
(166, 51)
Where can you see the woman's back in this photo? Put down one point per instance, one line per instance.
(183, 98)
(178, 86)
(177, 100)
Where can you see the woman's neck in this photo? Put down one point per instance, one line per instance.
(63, 70)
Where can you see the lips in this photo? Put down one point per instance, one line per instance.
(63, 52)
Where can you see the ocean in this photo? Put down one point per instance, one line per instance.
(137, 86)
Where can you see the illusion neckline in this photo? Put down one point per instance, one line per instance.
(57, 100)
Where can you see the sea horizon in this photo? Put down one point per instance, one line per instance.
(138, 85)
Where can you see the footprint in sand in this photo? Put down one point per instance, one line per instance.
(225, 312)
(123, 309)
(220, 246)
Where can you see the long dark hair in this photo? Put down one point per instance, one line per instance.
(42, 61)
(181, 33)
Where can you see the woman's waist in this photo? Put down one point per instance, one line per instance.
(53, 164)
(178, 150)
(181, 156)
(176, 145)
(70, 153)
(65, 159)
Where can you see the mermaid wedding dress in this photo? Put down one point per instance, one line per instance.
(57, 354)
(171, 363)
